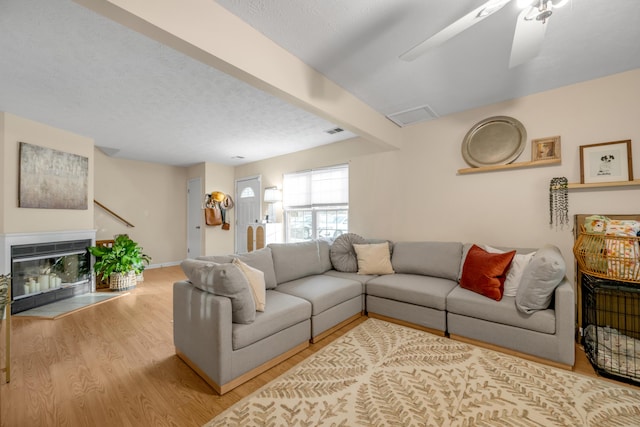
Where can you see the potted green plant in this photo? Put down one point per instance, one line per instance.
(120, 263)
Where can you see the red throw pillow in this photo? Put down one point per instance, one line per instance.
(485, 272)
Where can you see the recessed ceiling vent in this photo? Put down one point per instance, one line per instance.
(414, 115)
(108, 151)
(334, 130)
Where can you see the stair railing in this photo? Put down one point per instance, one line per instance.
(112, 213)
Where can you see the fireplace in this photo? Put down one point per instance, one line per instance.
(47, 267)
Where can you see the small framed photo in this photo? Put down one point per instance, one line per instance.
(545, 149)
(606, 162)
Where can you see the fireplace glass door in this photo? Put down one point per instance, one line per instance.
(41, 278)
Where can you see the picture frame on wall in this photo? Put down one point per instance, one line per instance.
(606, 162)
(545, 149)
(52, 179)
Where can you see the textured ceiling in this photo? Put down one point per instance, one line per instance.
(68, 67)
(356, 43)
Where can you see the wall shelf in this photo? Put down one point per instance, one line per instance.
(578, 186)
(520, 165)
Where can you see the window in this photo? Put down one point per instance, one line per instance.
(316, 203)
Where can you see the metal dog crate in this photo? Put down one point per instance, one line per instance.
(611, 327)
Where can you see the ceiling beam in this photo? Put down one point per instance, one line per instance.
(209, 33)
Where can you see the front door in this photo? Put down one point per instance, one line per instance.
(248, 210)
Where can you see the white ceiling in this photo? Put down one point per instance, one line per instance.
(64, 65)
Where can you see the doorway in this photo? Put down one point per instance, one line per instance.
(194, 217)
(248, 208)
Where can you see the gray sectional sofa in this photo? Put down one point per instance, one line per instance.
(312, 290)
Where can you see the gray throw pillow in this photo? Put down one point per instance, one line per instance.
(540, 279)
(261, 259)
(199, 273)
(218, 259)
(229, 281)
(343, 256)
(225, 280)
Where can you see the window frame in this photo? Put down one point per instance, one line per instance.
(307, 208)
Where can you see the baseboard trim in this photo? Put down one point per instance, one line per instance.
(511, 352)
(408, 324)
(225, 388)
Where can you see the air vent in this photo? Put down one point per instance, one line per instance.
(414, 115)
(334, 130)
(108, 151)
(238, 157)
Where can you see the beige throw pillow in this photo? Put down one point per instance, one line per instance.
(373, 258)
(257, 282)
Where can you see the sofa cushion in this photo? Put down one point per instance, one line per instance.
(416, 289)
(322, 291)
(324, 248)
(515, 272)
(540, 279)
(467, 246)
(295, 260)
(256, 280)
(373, 258)
(262, 260)
(468, 303)
(281, 312)
(362, 278)
(343, 256)
(485, 273)
(225, 280)
(438, 259)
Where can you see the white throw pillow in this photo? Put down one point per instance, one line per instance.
(374, 258)
(514, 275)
(257, 282)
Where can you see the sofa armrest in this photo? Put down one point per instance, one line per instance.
(202, 330)
(565, 310)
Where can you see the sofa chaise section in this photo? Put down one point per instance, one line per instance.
(228, 354)
(545, 334)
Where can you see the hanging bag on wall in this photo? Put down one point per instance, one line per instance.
(213, 215)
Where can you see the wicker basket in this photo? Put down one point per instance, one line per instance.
(609, 257)
(122, 282)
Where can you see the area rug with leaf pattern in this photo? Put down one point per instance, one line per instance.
(383, 374)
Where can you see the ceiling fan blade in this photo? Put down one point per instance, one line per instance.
(454, 29)
(527, 39)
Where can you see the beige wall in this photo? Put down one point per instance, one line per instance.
(24, 220)
(152, 197)
(214, 177)
(409, 194)
(271, 170)
(415, 193)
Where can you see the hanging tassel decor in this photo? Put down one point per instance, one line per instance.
(559, 202)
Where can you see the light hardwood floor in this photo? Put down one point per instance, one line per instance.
(114, 364)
